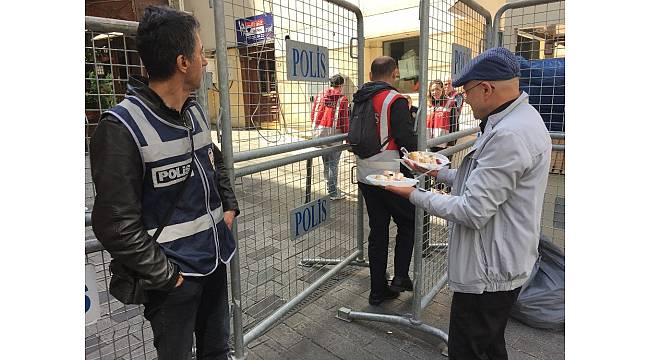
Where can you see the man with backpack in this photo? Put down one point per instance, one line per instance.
(329, 116)
(381, 124)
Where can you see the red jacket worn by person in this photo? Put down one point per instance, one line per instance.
(323, 110)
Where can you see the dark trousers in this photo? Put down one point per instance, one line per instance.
(477, 325)
(199, 305)
(382, 205)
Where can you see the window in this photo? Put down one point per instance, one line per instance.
(267, 76)
(407, 53)
(541, 42)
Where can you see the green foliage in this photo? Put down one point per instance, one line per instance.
(96, 86)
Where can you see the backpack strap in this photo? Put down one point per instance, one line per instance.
(384, 136)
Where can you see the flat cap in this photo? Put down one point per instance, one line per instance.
(492, 64)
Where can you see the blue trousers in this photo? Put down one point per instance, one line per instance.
(331, 171)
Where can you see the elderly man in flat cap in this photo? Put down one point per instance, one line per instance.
(494, 208)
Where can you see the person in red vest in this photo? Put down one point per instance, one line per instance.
(330, 116)
(396, 129)
(438, 113)
(456, 100)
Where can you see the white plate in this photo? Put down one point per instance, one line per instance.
(440, 157)
(406, 182)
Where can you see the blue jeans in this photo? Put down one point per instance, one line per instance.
(331, 171)
(199, 305)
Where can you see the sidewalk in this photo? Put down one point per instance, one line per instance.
(315, 333)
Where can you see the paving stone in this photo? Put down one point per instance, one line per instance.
(341, 347)
(540, 347)
(386, 351)
(307, 349)
(284, 335)
(266, 352)
(296, 319)
(261, 309)
(514, 354)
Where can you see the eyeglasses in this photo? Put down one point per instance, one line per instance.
(464, 93)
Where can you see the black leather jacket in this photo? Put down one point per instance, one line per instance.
(138, 264)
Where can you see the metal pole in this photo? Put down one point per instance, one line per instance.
(310, 163)
(285, 148)
(270, 164)
(433, 292)
(360, 80)
(224, 103)
(105, 25)
(360, 76)
(488, 19)
(346, 314)
(360, 225)
(453, 136)
(422, 144)
(265, 325)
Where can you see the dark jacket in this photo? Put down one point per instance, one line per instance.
(402, 125)
(138, 264)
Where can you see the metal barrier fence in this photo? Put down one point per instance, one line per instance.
(110, 58)
(446, 29)
(535, 30)
(276, 166)
(553, 209)
(454, 28)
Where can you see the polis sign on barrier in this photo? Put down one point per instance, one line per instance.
(460, 56)
(92, 296)
(307, 62)
(306, 218)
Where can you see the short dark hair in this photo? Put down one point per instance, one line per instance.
(336, 80)
(383, 66)
(163, 34)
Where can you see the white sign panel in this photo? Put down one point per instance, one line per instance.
(306, 218)
(460, 56)
(92, 296)
(307, 62)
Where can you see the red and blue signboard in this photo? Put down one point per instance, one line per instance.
(254, 30)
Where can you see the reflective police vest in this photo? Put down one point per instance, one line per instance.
(385, 159)
(196, 237)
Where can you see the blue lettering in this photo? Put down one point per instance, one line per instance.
(306, 223)
(296, 59)
(87, 300)
(298, 221)
(318, 54)
(313, 216)
(304, 71)
(322, 64)
(323, 209)
(311, 64)
(319, 212)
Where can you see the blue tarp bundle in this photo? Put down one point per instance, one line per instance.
(543, 80)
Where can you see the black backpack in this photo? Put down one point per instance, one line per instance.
(362, 135)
